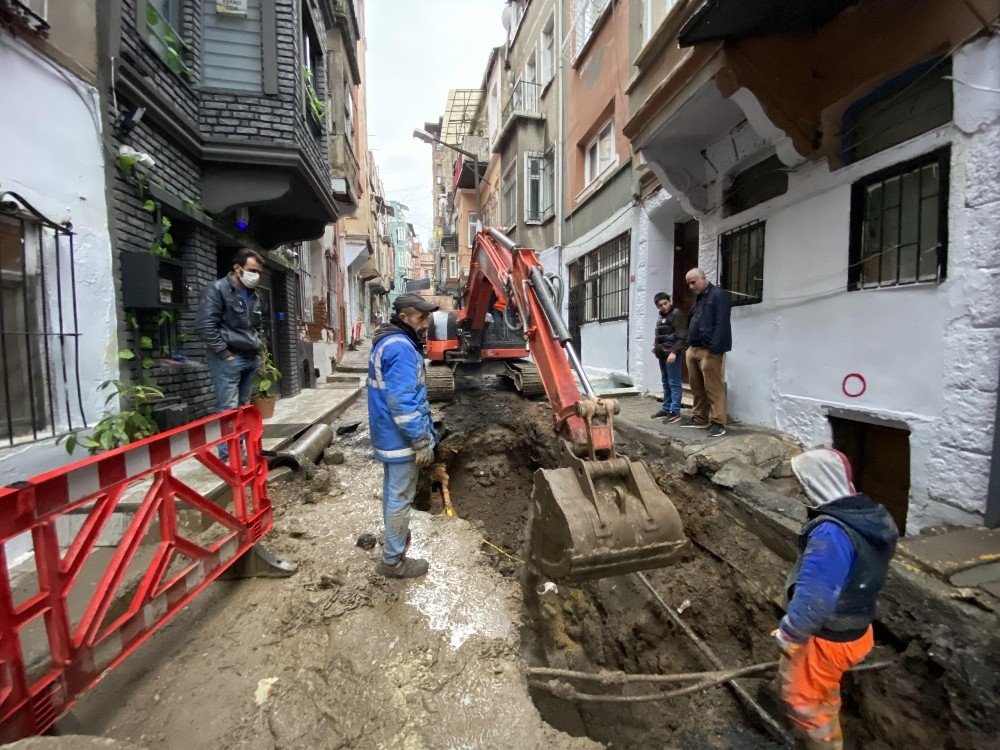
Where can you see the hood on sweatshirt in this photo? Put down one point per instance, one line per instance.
(825, 475)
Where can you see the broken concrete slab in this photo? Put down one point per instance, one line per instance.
(977, 576)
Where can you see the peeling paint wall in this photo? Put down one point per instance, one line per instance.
(930, 353)
(60, 171)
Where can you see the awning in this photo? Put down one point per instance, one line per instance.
(739, 19)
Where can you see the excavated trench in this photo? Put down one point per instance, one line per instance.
(497, 441)
(727, 585)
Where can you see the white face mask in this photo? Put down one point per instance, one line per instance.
(250, 279)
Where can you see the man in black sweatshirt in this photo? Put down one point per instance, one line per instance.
(709, 338)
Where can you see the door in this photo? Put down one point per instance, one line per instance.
(685, 258)
(880, 458)
(575, 315)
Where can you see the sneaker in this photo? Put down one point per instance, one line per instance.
(716, 430)
(658, 414)
(407, 567)
(693, 423)
(673, 418)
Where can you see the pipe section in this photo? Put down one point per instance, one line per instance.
(307, 449)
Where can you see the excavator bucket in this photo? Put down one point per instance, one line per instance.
(592, 519)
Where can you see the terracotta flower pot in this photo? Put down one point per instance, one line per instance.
(265, 405)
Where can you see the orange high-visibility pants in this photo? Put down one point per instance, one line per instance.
(810, 688)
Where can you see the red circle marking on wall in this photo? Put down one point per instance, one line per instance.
(858, 385)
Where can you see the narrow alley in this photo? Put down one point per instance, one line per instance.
(512, 373)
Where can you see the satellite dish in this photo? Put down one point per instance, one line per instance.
(505, 17)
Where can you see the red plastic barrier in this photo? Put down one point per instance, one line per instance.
(35, 690)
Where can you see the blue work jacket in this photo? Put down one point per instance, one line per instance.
(398, 413)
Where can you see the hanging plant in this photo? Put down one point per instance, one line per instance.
(316, 106)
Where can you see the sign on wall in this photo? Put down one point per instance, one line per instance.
(231, 7)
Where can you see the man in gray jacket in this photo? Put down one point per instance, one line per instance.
(229, 321)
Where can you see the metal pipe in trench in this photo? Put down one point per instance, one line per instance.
(773, 726)
(307, 449)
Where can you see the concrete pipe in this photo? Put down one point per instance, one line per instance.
(307, 449)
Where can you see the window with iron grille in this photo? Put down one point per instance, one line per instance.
(742, 263)
(899, 224)
(603, 273)
(40, 394)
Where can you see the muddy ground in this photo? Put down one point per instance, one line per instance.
(338, 657)
(335, 656)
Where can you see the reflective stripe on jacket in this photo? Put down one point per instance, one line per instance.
(398, 412)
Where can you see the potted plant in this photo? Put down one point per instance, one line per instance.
(264, 380)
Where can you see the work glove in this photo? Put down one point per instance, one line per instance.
(789, 648)
(423, 453)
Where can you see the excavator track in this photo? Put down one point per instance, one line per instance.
(440, 383)
(525, 377)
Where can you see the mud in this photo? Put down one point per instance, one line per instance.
(608, 624)
(336, 656)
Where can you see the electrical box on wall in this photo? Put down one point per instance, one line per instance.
(151, 282)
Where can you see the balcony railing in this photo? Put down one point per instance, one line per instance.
(523, 100)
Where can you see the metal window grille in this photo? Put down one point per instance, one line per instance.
(754, 185)
(39, 326)
(742, 263)
(899, 224)
(586, 14)
(604, 278)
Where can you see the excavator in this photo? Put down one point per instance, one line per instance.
(599, 513)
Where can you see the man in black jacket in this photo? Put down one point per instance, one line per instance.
(670, 341)
(229, 321)
(709, 338)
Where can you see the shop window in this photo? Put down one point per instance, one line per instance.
(899, 224)
(915, 102)
(742, 263)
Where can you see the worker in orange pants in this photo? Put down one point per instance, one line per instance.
(844, 553)
(810, 677)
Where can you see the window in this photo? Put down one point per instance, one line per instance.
(400, 234)
(656, 11)
(39, 7)
(603, 274)
(312, 63)
(473, 227)
(600, 153)
(757, 184)
(349, 110)
(533, 168)
(161, 22)
(39, 382)
(452, 265)
(548, 52)
(915, 102)
(509, 196)
(742, 261)
(899, 224)
(585, 18)
(531, 68)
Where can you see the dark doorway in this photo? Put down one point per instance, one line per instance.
(575, 313)
(685, 258)
(880, 457)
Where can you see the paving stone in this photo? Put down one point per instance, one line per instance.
(952, 551)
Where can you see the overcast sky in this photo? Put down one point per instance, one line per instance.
(417, 50)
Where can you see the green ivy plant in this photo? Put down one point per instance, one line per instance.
(134, 421)
(172, 44)
(316, 106)
(164, 243)
(267, 376)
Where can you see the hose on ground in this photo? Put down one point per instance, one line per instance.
(707, 680)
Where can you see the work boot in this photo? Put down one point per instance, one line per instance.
(407, 567)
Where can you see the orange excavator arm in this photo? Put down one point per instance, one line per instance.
(513, 274)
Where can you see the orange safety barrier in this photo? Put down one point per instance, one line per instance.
(58, 641)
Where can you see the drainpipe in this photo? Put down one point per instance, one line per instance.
(560, 140)
(992, 519)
